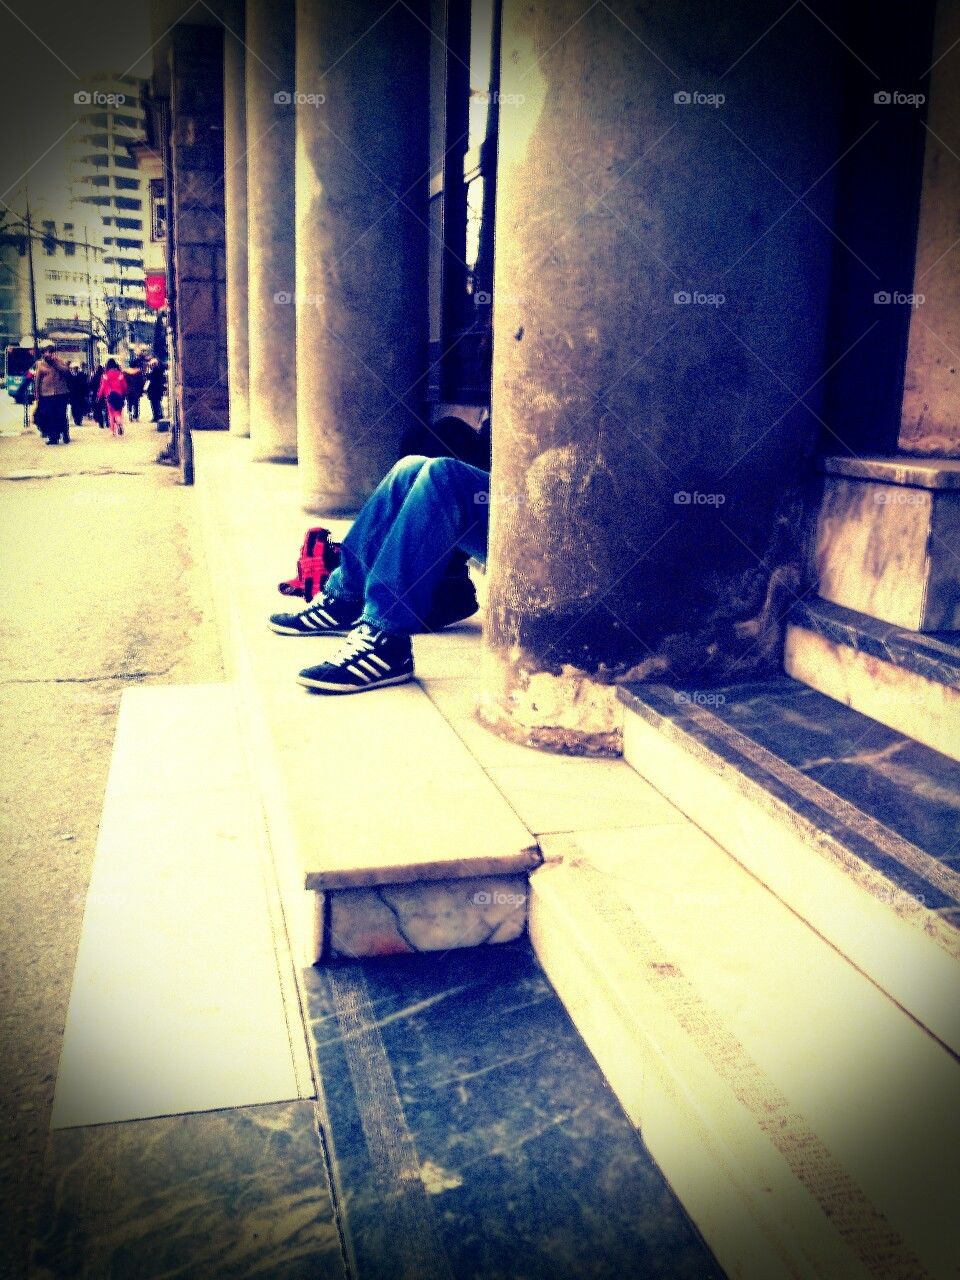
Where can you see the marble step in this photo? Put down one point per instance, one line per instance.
(908, 680)
(853, 825)
(887, 541)
(388, 835)
(806, 1124)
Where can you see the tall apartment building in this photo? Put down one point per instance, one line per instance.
(111, 195)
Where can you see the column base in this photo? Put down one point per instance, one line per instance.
(569, 713)
(286, 458)
(342, 505)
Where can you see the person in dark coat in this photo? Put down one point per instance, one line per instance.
(156, 386)
(96, 404)
(135, 380)
(79, 394)
(51, 380)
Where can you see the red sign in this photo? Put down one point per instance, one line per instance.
(156, 291)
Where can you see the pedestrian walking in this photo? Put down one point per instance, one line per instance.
(97, 406)
(135, 379)
(51, 380)
(156, 386)
(79, 394)
(113, 394)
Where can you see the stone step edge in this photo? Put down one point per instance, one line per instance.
(938, 474)
(736, 1161)
(920, 653)
(905, 949)
(767, 778)
(919, 706)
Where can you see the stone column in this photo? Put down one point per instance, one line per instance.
(361, 177)
(659, 306)
(271, 124)
(931, 401)
(235, 200)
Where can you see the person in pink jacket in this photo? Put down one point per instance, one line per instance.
(113, 393)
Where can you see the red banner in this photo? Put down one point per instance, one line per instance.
(156, 291)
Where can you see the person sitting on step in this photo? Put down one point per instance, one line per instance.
(403, 565)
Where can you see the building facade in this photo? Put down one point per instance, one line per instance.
(679, 259)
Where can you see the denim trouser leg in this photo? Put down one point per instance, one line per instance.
(398, 547)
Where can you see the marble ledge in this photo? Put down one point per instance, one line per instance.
(891, 553)
(441, 915)
(899, 469)
(933, 655)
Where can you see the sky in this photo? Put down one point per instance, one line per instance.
(48, 50)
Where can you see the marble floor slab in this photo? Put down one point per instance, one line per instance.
(226, 1196)
(506, 1151)
(177, 1003)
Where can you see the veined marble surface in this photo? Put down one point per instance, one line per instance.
(229, 1194)
(472, 1134)
(891, 802)
(920, 706)
(435, 915)
(935, 656)
(891, 552)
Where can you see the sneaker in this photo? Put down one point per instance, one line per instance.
(369, 659)
(324, 616)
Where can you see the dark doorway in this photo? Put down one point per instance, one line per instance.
(465, 119)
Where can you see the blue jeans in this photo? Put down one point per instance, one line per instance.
(398, 547)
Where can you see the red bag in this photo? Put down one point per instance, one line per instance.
(319, 556)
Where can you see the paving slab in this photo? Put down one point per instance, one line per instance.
(177, 1002)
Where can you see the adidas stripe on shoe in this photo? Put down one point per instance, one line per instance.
(369, 659)
(324, 616)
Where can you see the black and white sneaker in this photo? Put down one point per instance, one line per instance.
(324, 616)
(367, 660)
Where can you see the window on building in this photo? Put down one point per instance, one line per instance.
(158, 210)
(49, 237)
(130, 224)
(124, 162)
(130, 244)
(126, 184)
(124, 202)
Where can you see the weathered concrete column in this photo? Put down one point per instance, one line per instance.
(931, 401)
(271, 124)
(362, 163)
(235, 201)
(659, 307)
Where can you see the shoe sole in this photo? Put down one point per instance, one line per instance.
(321, 686)
(281, 630)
